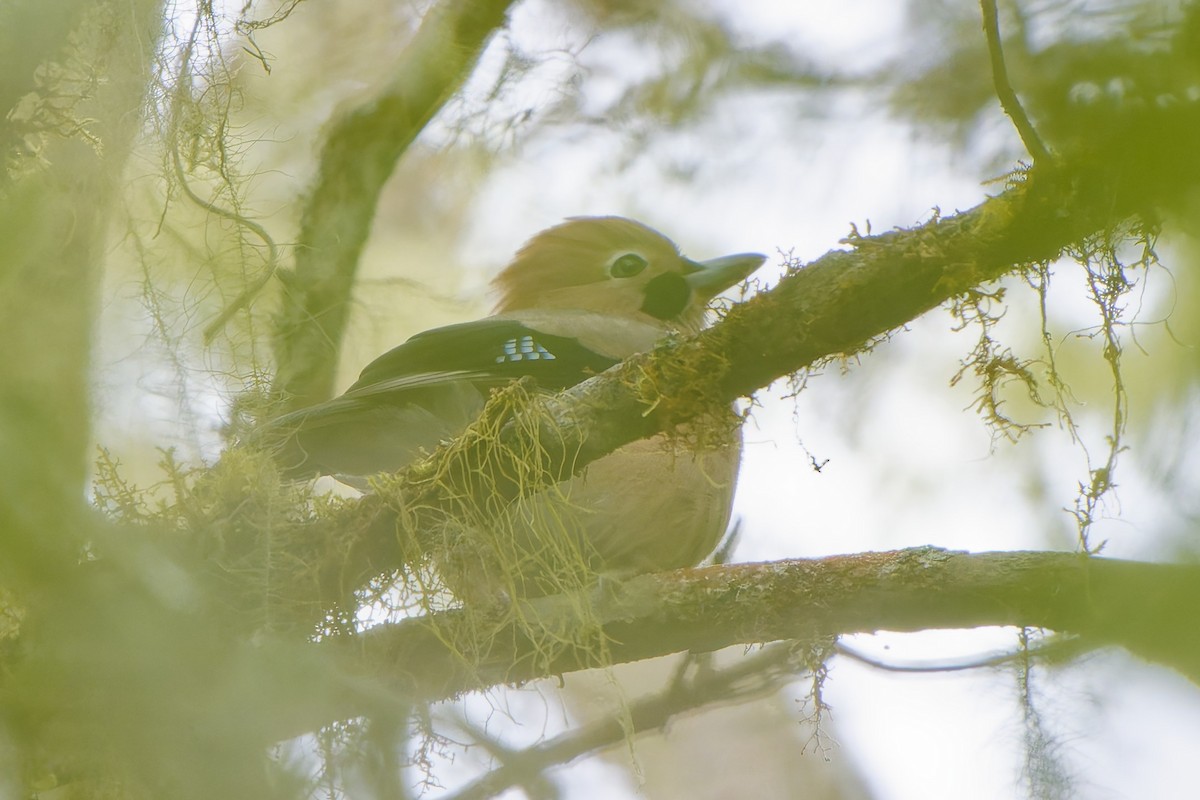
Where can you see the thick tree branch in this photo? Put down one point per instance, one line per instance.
(54, 219)
(358, 156)
(1107, 601)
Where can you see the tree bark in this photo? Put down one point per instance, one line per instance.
(1144, 607)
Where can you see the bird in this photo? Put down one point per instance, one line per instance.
(576, 299)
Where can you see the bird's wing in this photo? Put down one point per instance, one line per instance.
(426, 391)
(493, 350)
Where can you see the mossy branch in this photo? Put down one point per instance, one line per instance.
(1106, 601)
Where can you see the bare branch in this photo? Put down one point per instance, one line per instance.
(1004, 91)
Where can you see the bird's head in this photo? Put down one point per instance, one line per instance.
(613, 265)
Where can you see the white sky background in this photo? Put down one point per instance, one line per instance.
(907, 465)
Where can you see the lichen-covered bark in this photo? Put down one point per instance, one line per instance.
(1105, 601)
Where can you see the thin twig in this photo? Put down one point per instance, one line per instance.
(1004, 90)
(748, 678)
(271, 262)
(1060, 648)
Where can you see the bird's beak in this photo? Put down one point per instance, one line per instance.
(710, 278)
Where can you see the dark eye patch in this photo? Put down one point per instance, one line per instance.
(667, 296)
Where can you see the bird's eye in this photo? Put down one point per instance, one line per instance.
(627, 266)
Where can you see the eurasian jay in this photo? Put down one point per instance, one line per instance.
(576, 299)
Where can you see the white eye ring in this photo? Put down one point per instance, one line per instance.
(627, 265)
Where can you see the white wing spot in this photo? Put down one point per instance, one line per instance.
(524, 349)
